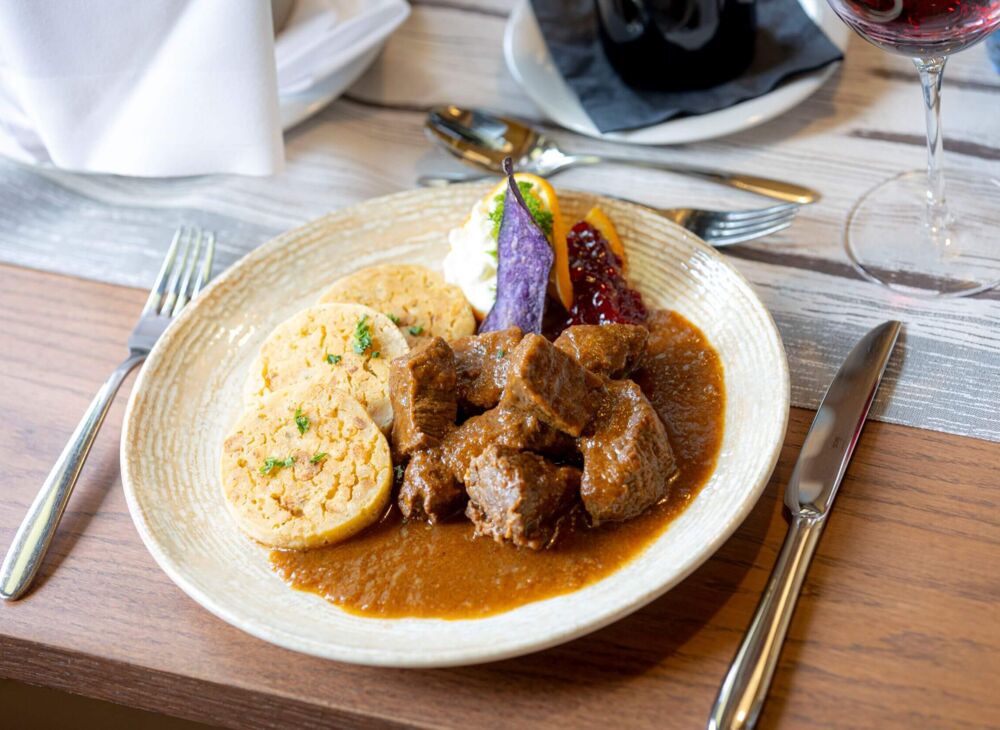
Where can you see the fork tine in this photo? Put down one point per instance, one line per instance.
(750, 228)
(177, 270)
(159, 286)
(190, 264)
(723, 228)
(755, 213)
(206, 267)
(729, 239)
(762, 216)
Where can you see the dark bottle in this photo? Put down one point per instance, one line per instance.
(670, 45)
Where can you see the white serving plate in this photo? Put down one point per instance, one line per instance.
(531, 65)
(359, 54)
(188, 395)
(296, 108)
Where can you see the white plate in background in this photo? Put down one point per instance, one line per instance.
(532, 67)
(363, 39)
(296, 108)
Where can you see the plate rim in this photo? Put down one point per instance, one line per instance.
(666, 132)
(451, 658)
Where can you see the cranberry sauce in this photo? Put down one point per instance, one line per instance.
(600, 292)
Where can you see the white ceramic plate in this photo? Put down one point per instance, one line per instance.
(360, 52)
(188, 395)
(531, 65)
(296, 108)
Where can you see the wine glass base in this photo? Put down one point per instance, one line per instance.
(890, 241)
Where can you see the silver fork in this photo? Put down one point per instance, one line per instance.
(185, 270)
(727, 227)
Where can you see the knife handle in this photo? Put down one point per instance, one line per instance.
(745, 687)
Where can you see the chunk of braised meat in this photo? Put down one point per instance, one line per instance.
(503, 426)
(422, 389)
(627, 460)
(550, 384)
(609, 350)
(519, 497)
(429, 490)
(432, 483)
(481, 366)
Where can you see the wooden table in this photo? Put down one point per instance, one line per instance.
(897, 626)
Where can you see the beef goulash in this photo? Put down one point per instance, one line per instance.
(520, 460)
(506, 508)
(403, 460)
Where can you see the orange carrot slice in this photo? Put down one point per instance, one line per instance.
(599, 220)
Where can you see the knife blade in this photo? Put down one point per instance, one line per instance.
(809, 495)
(834, 432)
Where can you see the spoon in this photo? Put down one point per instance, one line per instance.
(484, 140)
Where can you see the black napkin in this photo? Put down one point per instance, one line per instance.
(787, 43)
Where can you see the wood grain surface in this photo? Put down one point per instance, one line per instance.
(897, 626)
(861, 127)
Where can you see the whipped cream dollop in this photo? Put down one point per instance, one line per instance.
(471, 263)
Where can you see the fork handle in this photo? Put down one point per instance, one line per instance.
(39, 526)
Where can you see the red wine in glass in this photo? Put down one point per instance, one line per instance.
(910, 233)
(920, 28)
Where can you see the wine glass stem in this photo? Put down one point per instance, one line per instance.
(931, 72)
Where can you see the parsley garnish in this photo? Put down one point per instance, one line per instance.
(543, 218)
(273, 462)
(496, 215)
(398, 471)
(333, 359)
(362, 335)
(393, 317)
(318, 457)
(416, 330)
(500, 354)
(376, 354)
(301, 421)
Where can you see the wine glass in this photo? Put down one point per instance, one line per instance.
(916, 232)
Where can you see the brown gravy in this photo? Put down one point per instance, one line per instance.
(395, 570)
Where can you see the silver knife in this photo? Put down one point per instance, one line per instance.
(825, 454)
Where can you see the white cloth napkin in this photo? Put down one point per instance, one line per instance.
(140, 87)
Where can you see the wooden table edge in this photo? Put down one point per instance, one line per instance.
(169, 693)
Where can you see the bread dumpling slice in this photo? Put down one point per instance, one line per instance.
(348, 345)
(418, 299)
(306, 467)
